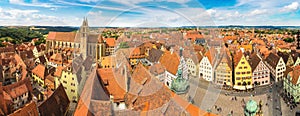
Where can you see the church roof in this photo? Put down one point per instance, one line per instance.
(62, 36)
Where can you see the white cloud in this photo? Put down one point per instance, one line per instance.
(211, 12)
(62, 2)
(34, 3)
(20, 17)
(258, 12)
(89, 1)
(291, 7)
(130, 2)
(176, 1)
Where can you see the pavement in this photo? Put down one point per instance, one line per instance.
(208, 96)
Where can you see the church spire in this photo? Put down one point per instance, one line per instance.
(298, 40)
(84, 31)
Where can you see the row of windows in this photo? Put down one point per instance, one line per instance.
(261, 77)
(243, 78)
(280, 69)
(204, 67)
(262, 82)
(245, 67)
(246, 83)
(222, 75)
(238, 73)
(261, 73)
(72, 84)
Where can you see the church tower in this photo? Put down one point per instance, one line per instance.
(298, 40)
(84, 31)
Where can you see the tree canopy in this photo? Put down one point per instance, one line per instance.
(18, 35)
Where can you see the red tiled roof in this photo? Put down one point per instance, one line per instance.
(295, 75)
(58, 71)
(193, 35)
(62, 36)
(237, 57)
(39, 70)
(18, 91)
(113, 86)
(137, 52)
(111, 42)
(141, 75)
(29, 109)
(170, 61)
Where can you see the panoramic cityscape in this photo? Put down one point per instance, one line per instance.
(149, 58)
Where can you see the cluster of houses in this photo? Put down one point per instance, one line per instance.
(18, 93)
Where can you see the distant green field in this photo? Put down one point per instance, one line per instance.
(6, 39)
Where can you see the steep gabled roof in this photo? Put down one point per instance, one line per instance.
(285, 56)
(112, 84)
(295, 75)
(237, 58)
(29, 109)
(56, 105)
(254, 61)
(154, 55)
(111, 42)
(39, 70)
(141, 75)
(225, 58)
(170, 61)
(273, 59)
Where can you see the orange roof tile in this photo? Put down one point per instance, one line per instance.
(170, 61)
(29, 109)
(193, 35)
(137, 53)
(62, 36)
(295, 74)
(237, 57)
(39, 70)
(18, 91)
(112, 84)
(58, 71)
(140, 74)
(111, 42)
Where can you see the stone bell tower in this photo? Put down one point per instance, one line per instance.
(84, 31)
(298, 40)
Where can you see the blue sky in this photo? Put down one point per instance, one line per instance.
(136, 13)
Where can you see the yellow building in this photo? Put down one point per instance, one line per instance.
(223, 71)
(242, 72)
(68, 80)
(38, 74)
(136, 55)
(107, 62)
